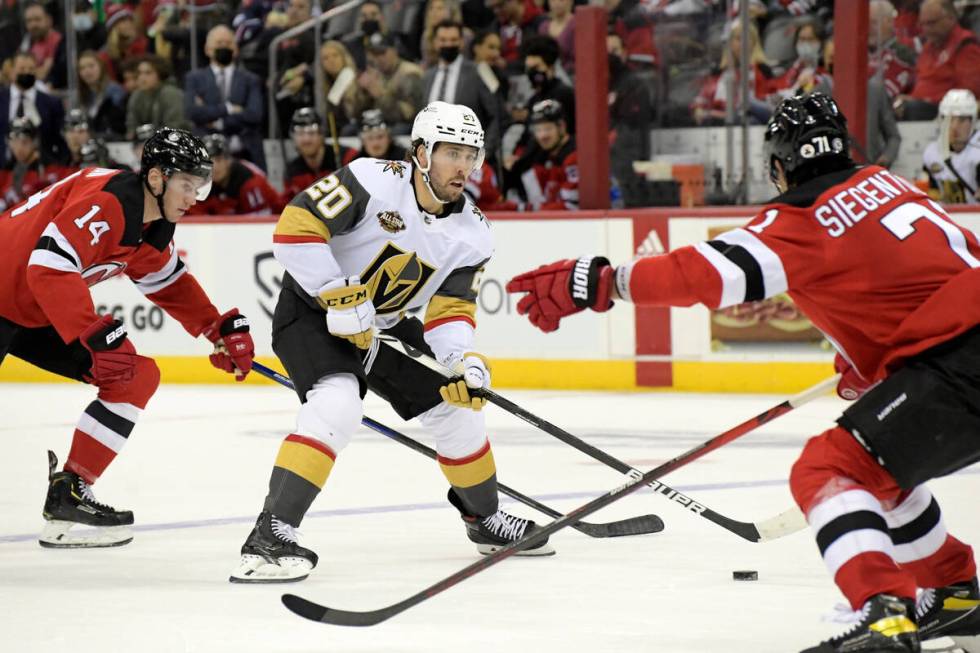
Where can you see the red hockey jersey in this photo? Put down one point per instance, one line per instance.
(246, 191)
(84, 229)
(875, 264)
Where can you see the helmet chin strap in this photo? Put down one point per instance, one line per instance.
(159, 198)
(425, 177)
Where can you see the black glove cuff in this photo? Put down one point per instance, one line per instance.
(107, 338)
(583, 282)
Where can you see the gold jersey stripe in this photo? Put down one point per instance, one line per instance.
(305, 461)
(441, 307)
(470, 473)
(296, 221)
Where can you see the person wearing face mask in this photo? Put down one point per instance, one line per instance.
(370, 21)
(807, 72)
(456, 80)
(41, 39)
(123, 39)
(90, 34)
(540, 55)
(225, 98)
(25, 99)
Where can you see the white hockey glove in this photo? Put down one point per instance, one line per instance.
(474, 371)
(350, 313)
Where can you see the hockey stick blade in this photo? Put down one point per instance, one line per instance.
(641, 525)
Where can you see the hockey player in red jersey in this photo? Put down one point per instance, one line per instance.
(239, 187)
(548, 171)
(894, 284)
(90, 226)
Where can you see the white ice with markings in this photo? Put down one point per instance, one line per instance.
(195, 474)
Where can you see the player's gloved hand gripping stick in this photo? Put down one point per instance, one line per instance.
(785, 523)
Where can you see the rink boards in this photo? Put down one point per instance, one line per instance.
(625, 348)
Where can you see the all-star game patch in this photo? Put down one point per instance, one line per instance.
(391, 222)
(394, 167)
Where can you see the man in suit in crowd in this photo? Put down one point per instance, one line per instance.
(226, 99)
(456, 80)
(23, 99)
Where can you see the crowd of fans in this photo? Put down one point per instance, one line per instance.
(671, 63)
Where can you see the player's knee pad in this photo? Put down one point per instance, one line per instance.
(145, 381)
(332, 411)
(458, 432)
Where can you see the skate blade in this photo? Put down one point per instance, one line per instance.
(544, 550)
(59, 535)
(256, 569)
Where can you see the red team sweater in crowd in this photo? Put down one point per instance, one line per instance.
(247, 190)
(80, 231)
(874, 263)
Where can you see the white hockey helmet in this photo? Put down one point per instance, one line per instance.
(957, 102)
(441, 122)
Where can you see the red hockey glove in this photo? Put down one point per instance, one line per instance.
(563, 288)
(233, 346)
(851, 385)
(113, 355)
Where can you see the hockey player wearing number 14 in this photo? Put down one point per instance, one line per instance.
(362, 248)
(894, 284)
(84, 229)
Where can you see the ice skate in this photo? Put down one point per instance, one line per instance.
(886, 626)
(271, 554)
(952, 611)
(498, 530)
(74, 519)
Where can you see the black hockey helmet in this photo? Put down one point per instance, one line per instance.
(172, 151)
(143, 133)
(373, 119)
(216, 144)
(304, 118)
(547, 111)
(94, 153)
(805, 131)
(22, 127)
(76, 119)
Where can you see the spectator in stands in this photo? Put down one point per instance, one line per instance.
(540, 56)
(295, 59)
(314, 159)
(627, 18)
(808, 70)
(103, 100)
(391, 84)
(124, 40)
(237, 187)
(376, 140)
(28, 170)
(546, 175)
(140, 136)
(129, 71)
(41, 39)
(156, 100)
(171, 32)
(77, 134)
(559, 24)
(949, 59)
(90, 34)
(490, 66)
(455, 80)
(340, 85)
(515, 23)
(907, 29)
(437, 11)
(630, 113)
(24, 98)
(711, 105)
(477, 15)
(889, 60)
(370, 21)
(225, 98)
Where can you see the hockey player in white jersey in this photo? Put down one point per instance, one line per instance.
(952, 160)
(362, 248)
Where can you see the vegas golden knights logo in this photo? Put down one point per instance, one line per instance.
(394, 278)
(394, 167)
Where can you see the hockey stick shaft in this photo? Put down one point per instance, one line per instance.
(317, 612)
(783, 524)
(640, 525)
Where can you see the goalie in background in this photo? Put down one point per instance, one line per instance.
(894, 283)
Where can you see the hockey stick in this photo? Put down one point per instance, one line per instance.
(317, 612)
(640, 525)
(785, 523)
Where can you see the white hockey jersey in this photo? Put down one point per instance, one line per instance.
(959, 184)
(364, 220)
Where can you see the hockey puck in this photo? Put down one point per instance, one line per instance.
(745, 574)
